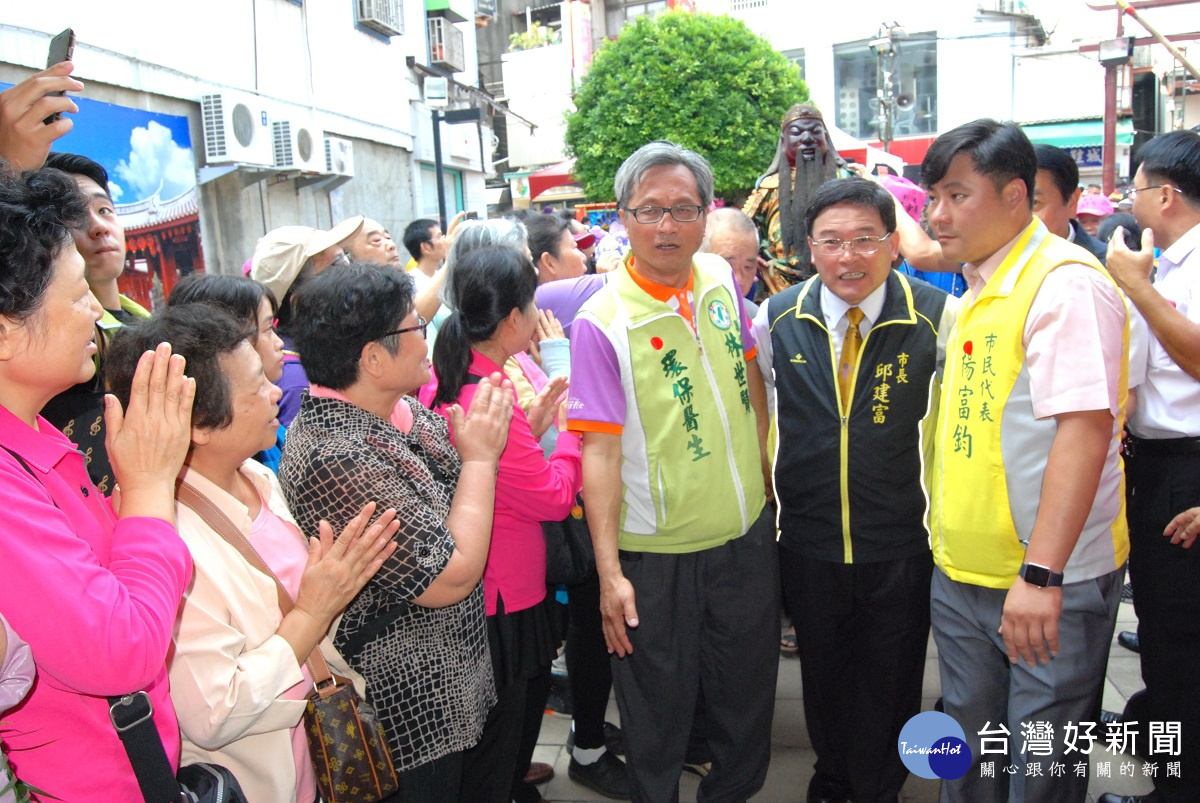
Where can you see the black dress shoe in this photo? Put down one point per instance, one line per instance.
(822, 789)
(1112, 797)
(607, 775)
(614, 739)
(1129, 640)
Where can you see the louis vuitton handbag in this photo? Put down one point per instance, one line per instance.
(346, 742)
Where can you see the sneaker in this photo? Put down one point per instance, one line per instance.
(607, 775)
(1127, 593)
(698, 769)
(559, 665)
(614, 739)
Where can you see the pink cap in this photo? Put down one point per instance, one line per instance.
(1096, 205)
(910, 196)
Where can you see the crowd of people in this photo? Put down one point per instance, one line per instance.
(890, 409)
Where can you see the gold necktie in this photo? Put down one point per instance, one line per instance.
(849, 359)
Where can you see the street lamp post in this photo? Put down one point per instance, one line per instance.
(884, 48)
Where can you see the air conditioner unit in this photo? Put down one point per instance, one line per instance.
(384, 16)
(298, 145)
(339, 156)
(236, 129)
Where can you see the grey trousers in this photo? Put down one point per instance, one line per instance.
(980, 686)
(708, 620)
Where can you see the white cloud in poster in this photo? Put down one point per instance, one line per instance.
(155, 157)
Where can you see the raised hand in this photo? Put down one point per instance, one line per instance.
(481, 433)
(338, 569)
(25, 139)
(545, 407)
(148, 442)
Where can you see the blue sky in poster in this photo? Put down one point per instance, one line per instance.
(139, 149)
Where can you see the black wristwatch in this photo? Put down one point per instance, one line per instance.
(1040, 576)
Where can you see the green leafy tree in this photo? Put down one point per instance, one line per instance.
(703, 81)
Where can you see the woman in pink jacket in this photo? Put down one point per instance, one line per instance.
(494, 321)
(93, 594)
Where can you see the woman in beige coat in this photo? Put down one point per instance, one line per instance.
(237, 673)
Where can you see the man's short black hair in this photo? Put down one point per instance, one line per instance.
(78, 165)
(417, 233)
(1000, 151)
(1061, 167)
(338, 312)
(39, 210)
(855, 192)
(202, 333)
(1174, 157)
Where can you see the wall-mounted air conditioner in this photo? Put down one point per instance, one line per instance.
(384, 16)
(236, 129)
(298, 143)
(339, 156)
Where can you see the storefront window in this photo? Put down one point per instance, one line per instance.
(856, 72)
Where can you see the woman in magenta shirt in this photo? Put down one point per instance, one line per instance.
(93, 594)
(494, 321)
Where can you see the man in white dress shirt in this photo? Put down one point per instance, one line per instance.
(1163, 457)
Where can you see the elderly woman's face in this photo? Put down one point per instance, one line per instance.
(411, 360)
(54, 349)
(255, 404)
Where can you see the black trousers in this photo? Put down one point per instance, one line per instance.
(708, 621)
(862, 629)
(588, 663)
(1166, 581)
(435, 782)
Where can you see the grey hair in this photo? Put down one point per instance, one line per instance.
(727, 217)
(662, 153)
(472, 234)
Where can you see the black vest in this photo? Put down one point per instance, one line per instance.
(884, 491)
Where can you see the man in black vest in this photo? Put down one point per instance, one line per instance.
(854, 355)
(1055, 196)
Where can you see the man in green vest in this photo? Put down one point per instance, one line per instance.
(671, 406)
(1028, 521)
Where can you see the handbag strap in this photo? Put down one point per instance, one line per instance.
(132, 715)
(215, 518)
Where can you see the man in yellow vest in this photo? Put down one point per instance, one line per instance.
(672, 409)
(1028, 518)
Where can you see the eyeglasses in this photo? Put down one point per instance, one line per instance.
(341, 261)
(682, 213)
(422, 324)
(860, 246)
(1133, 191)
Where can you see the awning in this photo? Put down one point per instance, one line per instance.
(850, 147)
(552, 176)
(1076, 133)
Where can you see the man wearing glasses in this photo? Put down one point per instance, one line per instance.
(670, 402)
(853, 356)
(1163, 458)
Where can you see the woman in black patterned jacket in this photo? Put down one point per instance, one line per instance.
(416, 631)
